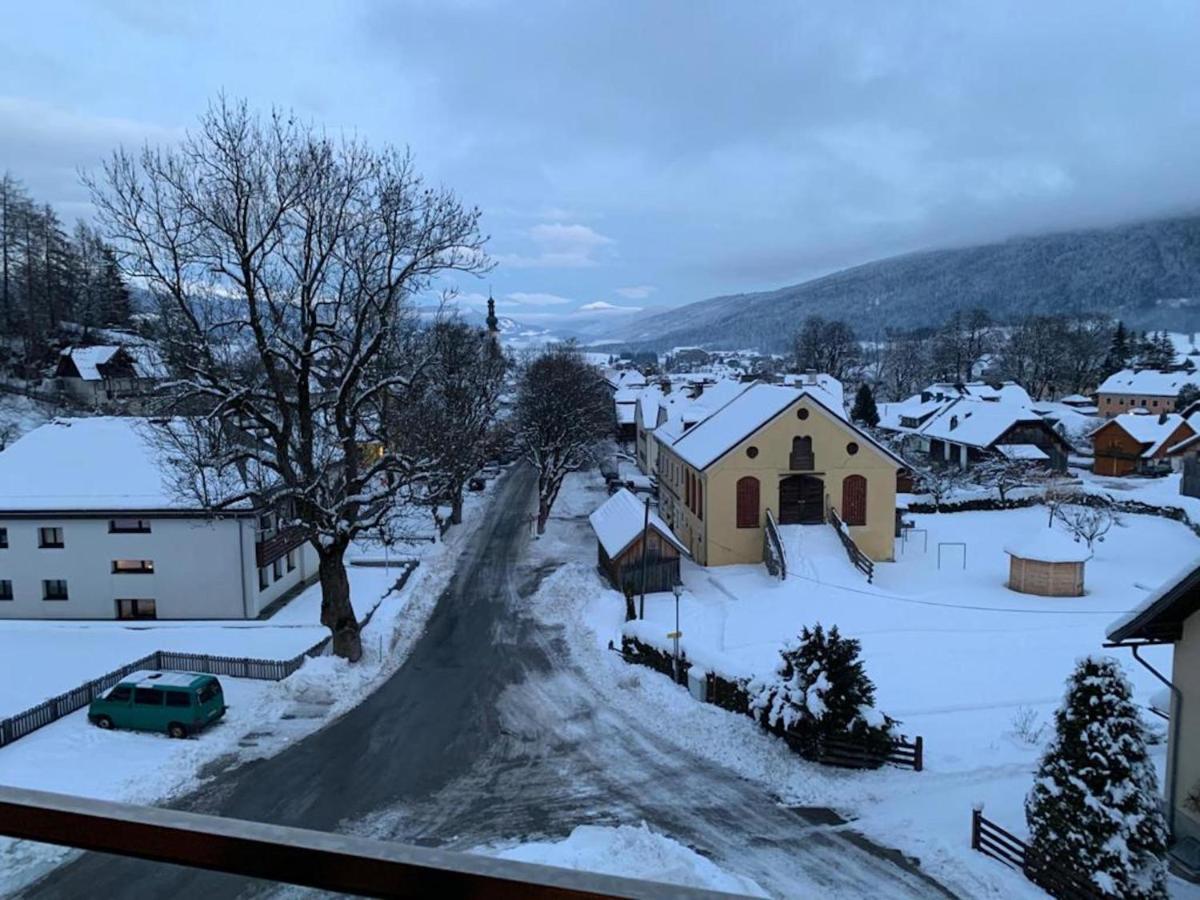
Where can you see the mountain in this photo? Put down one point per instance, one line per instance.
(1146, 273)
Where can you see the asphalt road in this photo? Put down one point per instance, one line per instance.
(488, 732)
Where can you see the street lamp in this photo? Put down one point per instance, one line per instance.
(677, 589)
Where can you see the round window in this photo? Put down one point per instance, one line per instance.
(802, 413)
(752, 452)
(852, 448)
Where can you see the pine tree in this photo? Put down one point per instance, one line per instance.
(1094, 808)
(819, 691)
(865, 410)
(1118, 350)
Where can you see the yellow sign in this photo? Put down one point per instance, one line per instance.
(674, 634)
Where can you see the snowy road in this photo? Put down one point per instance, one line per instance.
(489, 732)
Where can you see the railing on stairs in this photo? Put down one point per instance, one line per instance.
(773, 555)
(858, 559)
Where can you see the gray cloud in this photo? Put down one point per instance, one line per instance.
(699, 147)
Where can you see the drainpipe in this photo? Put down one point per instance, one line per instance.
(1176, 720)
(241, 535)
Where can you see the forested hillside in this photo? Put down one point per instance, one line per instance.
(1148, 274)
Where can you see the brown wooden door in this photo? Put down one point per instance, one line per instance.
(747, 502)
(801, 500)
(854, 500)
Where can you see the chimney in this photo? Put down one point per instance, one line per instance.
(1162, 418)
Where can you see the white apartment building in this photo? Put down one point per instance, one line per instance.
(91, 528)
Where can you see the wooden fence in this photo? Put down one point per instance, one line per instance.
(17, 726)
(858, 559)
(991, 840)
(848, 753)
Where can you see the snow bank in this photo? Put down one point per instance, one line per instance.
(631, 851)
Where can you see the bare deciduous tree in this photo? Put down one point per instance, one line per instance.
(1088, 524)
(1004, 474)
(283, 260)
(940, 483)
(564, 411)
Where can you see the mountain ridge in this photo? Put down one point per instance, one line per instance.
(1146, 272)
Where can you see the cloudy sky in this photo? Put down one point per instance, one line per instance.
(629, 154)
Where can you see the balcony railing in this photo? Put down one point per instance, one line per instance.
(315, 859)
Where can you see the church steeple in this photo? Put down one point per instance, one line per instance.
(493, 324)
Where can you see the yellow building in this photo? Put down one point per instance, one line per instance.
(781, 449)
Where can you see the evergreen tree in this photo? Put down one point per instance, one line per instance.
(1094, 807)
(1118, 350)
(1188, 394)
(865, 410)
(819, 691)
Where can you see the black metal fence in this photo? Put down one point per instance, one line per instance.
(848, 753)
(991, 840)
(773, 555)
(858, 559)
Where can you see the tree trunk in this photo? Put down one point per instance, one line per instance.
(336, 612)
(456, 507)
(543, 515)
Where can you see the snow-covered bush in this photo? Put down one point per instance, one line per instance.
(820, 691)
(1094, 807)
(1026, 726)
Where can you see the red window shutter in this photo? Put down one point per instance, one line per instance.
(747, 502)
(854, 500)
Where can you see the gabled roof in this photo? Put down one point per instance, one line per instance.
(1147, 381)
(979, 423)
(1148, 430)
(1161, 615)
(619, 521)
(88, 360)
(753, 408)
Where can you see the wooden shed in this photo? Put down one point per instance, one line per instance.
(1047, 563)
(619, 525)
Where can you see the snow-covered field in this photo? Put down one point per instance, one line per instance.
(973, 667)
(70, 756)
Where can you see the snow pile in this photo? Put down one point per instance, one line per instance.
(631, 851)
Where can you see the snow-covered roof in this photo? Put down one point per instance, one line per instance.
(1007, 392)
(824, 381)
(1077, 399)
(146, 678)
(1147, 429)
(89, 359)
(1049, 546)
(1147, 382)
(1163, 610)
(891, 415)
(1186, 444)
(626, 395)
(103, 463)
(1022, 451)
(712, 438)
(977, 423)
(618, 522)
(626, 413)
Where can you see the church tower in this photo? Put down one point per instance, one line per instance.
(493, 324)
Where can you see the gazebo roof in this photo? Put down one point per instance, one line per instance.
(1050, 547)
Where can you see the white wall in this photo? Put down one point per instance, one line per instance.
(203, 569)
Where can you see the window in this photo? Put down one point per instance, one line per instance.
(5, 589)
(700, 499)
(687, 490)
(277, 569)
(854, 500)
(120, 694)
(263, 579)
(128, 526)
(852, 448)
(802, 414)
(50, 538)
(208, 691)
(54, 589)
(752, 452)
(801, 458)
(291, 560)
(265, 521)
(178, 698)
(3, 538)
(747, 502)
(133, 566)
(137, 609)
(147, 697)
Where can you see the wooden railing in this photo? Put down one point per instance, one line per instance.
(858, 559)
(991, 840)
(773, 555)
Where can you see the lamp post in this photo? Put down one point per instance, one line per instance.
(677, 589)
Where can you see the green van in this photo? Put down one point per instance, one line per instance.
(179, 703)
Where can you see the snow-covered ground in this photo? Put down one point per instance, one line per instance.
(20, 414)
(630, 851)
(70, 756)
(974, 668)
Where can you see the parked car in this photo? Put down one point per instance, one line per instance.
(178, 703)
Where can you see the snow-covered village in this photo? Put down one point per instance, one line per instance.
(592, 450)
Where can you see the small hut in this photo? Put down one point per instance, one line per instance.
(619, 525)
(1047, 563)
